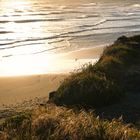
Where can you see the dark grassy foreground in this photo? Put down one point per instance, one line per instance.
(116, 73)
(115, 78)
(60, 123)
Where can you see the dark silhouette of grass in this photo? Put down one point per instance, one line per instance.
(106, 82)
(59, 123)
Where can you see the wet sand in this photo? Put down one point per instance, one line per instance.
(89, 53)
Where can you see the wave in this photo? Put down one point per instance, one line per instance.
(79, 22)
(46, 13)
(4, 21)
(63, 36)
(15, 46)
(88, 16)
(38, 52)
(122, 19)
(5, 32)
(38, 20)
(90, 4)
(136, 5)
(32, 20)
(118, 33)
(104, 28)
(10, 55)
(56, 41)
(65, 12)
(25, 42)
(98, 23)
(83, 30)
(80, 36)
(119, 27)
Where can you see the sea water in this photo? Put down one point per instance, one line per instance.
(34, 32)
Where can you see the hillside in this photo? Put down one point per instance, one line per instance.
(116, 74)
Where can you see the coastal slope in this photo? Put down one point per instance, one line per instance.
(108, 81)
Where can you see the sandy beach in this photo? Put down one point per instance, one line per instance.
(15, 90)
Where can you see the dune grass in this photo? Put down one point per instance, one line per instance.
(88, 89)
(59, 123)
(108, 80)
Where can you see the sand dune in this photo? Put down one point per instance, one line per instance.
(17, 89)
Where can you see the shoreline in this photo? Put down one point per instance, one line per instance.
(16, 89)
(49, 63)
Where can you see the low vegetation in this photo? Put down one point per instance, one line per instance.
(106, 82)
(60, 123)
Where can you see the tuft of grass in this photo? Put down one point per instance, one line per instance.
(18, 127)
(59, 123)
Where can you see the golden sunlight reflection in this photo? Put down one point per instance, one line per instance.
(25, 30)
(21, 65)
(19, 60)
(39, 64)
(19, 4)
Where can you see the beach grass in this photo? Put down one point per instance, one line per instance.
(59, 123)
(107, 81)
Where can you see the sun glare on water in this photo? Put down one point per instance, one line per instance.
(13, 62)
(20, 4)
(24, 52)
(21, 65)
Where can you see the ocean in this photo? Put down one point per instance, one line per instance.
(33, 33)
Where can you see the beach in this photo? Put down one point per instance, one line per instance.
(67, 65)
(14, 90)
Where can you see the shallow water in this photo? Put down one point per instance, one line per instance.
(32, 32)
